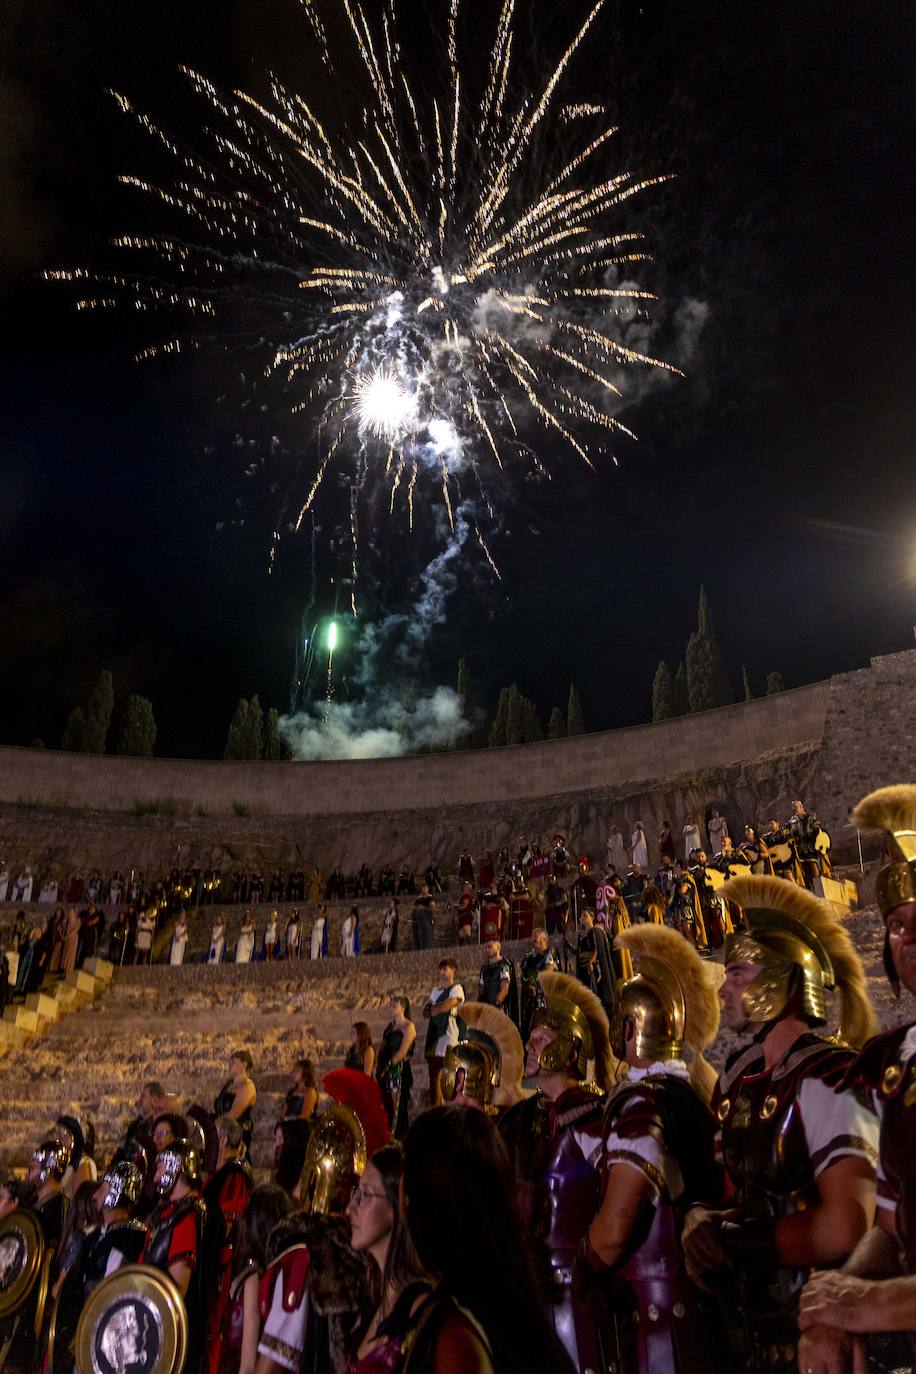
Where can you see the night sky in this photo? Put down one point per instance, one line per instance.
(780, 472)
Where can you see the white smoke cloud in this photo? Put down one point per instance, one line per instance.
(388, 719)
(376, 730)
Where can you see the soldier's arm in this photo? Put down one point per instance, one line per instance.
(828, 1232)
(627, 1200)
(180, 1274)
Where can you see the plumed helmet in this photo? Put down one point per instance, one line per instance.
(672, 1001)
(123, 1184)
(52, 1157)
(582, 1031)
(893, 810)
(178, 1160)
(796, 936)
(489, 1064)
(334, 1160)
(77, 1135)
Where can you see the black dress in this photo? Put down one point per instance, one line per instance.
(395, 1080)
(222, 1105)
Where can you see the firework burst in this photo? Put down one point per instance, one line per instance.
(430, 283)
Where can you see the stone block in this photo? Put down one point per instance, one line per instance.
(10, 1036)
(22, 1019)
(100, 969)
(47, 1007)
(66, 996)
(82, 981)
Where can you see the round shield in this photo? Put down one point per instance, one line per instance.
(22, 1248)
(134, 1323)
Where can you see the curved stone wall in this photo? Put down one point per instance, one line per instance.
(610, 759)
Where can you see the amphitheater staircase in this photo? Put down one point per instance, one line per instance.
(178, 1025)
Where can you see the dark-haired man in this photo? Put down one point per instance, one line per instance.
(443, 1030)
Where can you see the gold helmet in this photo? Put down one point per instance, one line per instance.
(489, 1064)
(892, 809)
(793, 934)
(672, 1001)
(575, 1013)
(334, 1160)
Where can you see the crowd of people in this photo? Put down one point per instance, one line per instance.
(582, 1193)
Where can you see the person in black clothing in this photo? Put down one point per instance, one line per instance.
(423, 908)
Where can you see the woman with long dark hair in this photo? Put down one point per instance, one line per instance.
(267, 1205)
(393, 1072)
(378, 1230)
(291, 1139)
(486, 1315)
(361, 1054)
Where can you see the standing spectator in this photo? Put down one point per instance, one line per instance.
(423, 908)
(275, 886)
(237, 1096)
(117, 939)
(114, 890)
(691, 837)
(56, 928)
(466, 867)
(666, 843)
(349, 934)
(22, 887)
(244, 949)
(389, 936)
(443, 1030)
(616, 853)
(65, 950)
(146, 927)
(89, 933)
(640, 848)
(718, 828)
(487, 872)
(364, 882)
(48, 891)
(393, 1072)
(5, 877)
(314, 885)
(386, 882)
(179, 939)
(270, 945)
(293, 935)
(465, 915)
(433, 881)
(361, 1054)
(217, 940)
(320, 934)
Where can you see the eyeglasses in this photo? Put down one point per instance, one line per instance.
(359, 1195)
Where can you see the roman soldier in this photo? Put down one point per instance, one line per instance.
(805, 829)
(686, 912)
(657, 1157)
(554, 1141)
(485, 1069)
(311, 1294)
(121, 1236)
(875, 1291)
(497, 986)
(181, 1243)
(539, 958)
(226, 1193)
(799, 1156)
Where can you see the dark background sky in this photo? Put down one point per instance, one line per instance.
(781, 472)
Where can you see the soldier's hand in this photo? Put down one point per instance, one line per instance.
(824, 1350)
(703, 1248)
(835, 1299)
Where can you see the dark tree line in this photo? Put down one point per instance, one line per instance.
(88, 728)
(702, 680)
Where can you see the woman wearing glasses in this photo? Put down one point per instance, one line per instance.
(398, 1285)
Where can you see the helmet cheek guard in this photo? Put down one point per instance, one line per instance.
(562, 1053)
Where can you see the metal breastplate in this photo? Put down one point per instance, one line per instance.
(571, 1184)
(157, 1250)
(764, 1147)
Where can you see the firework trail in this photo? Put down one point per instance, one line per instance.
(429, 284)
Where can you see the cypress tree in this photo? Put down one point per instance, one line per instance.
(748, 694)
(663, 705)
(556, 726)
(776, 683)
(138, 729)
(681, 698)
(254, 730)
(575, 720)
(98, 715)
(74, 730)
(273, 745)
(531, 722)
(497, 735)
(236, 737)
